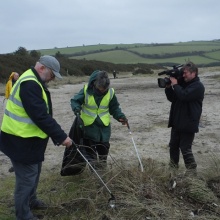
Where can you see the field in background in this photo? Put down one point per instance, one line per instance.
(204, 53)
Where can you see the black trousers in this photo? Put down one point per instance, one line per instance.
(96, 151)
(182, 141)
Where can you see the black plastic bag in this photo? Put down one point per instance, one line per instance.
(73, 163)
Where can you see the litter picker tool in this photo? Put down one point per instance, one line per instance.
(142, 169)
(111, 201)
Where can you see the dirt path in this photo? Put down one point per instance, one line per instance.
(147, 110)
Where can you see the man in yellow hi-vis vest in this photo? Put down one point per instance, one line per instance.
(95, 102)
(26, 127)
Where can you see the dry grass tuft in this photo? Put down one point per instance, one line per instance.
(138, 195)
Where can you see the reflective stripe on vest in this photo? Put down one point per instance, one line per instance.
(90, 110)
(15, 120)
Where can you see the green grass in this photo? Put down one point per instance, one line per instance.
(121, 56)
(6, 198)
(196, 59)
(213, 55)
(176, 48)
(209, 52)
(71, 50)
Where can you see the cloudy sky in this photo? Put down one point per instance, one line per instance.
(43, 24)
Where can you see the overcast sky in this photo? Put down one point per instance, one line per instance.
(44, 24)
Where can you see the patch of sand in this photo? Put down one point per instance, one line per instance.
(147, 110)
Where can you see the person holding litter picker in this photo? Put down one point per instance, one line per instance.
(26, 127)
(186, 99)
(95, 102)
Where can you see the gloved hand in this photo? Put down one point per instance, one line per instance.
(124, 120)
(77, 112)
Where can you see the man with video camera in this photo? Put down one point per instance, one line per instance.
(186, 108)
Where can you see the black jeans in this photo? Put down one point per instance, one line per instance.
(182, 141)
(97, 152)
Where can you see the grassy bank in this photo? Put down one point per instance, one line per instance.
(138, 195)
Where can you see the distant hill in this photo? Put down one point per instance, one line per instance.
(22, 62)
(203, 53)
(136, 58)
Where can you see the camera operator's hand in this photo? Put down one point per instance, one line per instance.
(173, 81)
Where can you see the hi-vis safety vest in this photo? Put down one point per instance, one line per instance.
(15, 120)
(90, 110)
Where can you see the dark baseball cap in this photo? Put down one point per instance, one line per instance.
(51, 63)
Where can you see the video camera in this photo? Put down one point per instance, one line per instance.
(175, 72)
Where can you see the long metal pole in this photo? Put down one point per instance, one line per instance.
(111, 201)
(94, 170)
(142, 169)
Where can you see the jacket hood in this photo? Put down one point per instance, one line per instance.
(11, 76)
(92, 78)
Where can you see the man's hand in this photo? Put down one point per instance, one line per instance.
(173, 81)
(67, 142)
(124, 121)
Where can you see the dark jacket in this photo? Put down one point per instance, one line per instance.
(97, 131)
(31, 150)
(186, 107)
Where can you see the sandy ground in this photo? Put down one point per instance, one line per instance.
(147, 110)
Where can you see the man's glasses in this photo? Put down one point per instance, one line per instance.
(52, 76)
